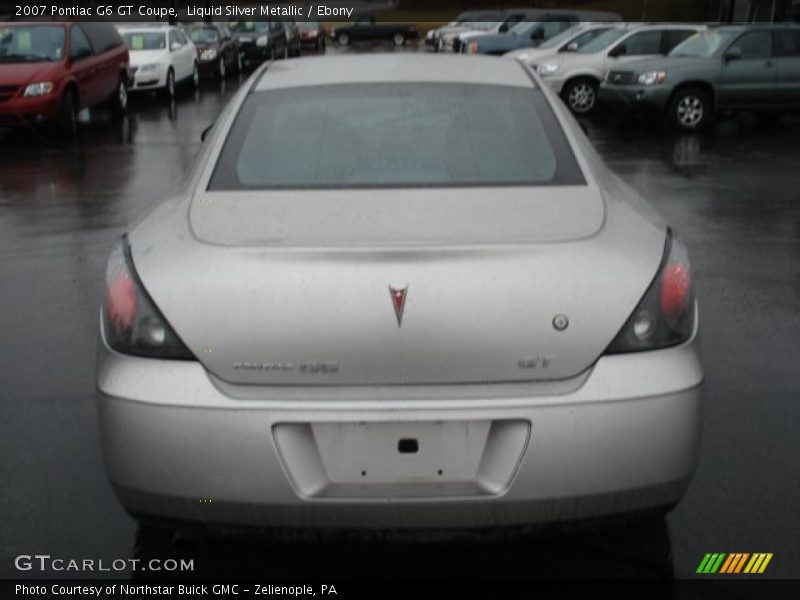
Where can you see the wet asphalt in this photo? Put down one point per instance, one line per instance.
(732, 193)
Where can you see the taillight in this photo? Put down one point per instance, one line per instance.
(665, 315)
(131, 322)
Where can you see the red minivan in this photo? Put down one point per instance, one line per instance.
(50, 71)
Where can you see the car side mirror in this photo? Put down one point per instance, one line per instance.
(573, 47)
(733, 54)
(175, 46)
(618, 51)
(503, 28)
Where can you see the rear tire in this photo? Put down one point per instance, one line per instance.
(222, 69)
(196, 75)
(580, 95)
(689, 110)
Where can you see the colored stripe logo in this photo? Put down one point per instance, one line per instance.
(734, 563)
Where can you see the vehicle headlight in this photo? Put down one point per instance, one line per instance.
(42, 88)
(149, 68)
(262, 41)
(208, 54)
(652, 77)
(473, 48)
(548, 68)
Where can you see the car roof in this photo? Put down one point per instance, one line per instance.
(392, 67)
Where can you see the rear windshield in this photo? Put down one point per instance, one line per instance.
(31, 43)
(205, 35)
(145, 40)
(395, 135)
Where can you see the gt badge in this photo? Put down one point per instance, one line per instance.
(399, 302)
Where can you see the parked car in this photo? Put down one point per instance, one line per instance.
(292, 37)
(576, 76)
(537, 26)
(160, 58)
(368, 29)
(571, 40)
(485, 22)
(260, 40)
(432, 37)
(754, 68)
(312, 34)
(463, 38)
(428, 364)
(50, 71)
(217, 48)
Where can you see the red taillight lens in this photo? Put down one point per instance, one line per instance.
(132, 323)
(676, 291)
(121, 303)
(665, 315)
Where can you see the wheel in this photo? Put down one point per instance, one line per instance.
(689, 109)
(399, 39)
(68, 116)
(119, 101)
(222, 70)
(343, 39)
(239, 63)
(196, 75)
(580, 95)
(169, 88)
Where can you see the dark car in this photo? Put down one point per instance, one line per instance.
(292, 37)
(50, 71)
(367, 29)
(312, 34)
(754, 68)
(260, 40)
(217, 48)
(536, 27)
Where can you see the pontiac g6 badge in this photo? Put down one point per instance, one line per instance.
(399, 302)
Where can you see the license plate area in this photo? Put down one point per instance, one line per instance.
(401, 459)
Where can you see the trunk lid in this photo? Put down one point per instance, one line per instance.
(300, 289)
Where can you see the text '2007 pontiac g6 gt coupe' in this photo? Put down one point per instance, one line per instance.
(398, 292)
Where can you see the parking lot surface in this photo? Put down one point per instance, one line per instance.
(733, 194)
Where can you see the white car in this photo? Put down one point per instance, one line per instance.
(576, 76)
(570, 40)
(161, 57)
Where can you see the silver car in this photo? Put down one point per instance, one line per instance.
(398, 291)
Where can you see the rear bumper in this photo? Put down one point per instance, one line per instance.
(634, 97)
(24, 111)
(624, 438)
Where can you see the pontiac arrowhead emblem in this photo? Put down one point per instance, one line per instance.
(399, 302)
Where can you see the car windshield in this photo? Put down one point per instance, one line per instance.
(250, 26)
(395, 135)
(562, 37)
(523, 27)
(204, 35)
(145, 40)
(31, 43)
(702, 45)
(602, 41)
